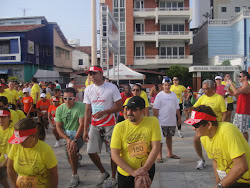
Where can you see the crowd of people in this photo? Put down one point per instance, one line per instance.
(133, 137)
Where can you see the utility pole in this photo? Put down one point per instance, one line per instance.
(93, 33)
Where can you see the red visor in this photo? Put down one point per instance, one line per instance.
(94, 69)
(19, 136)
(4, 113)
(1, 84)
(55, 99)
(197, 117)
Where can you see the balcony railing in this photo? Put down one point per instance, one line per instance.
(162, 59)
(163, 35)
(9, 57)
(162, 9)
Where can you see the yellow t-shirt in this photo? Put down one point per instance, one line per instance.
(7, 95)
(227, 144)
(14, 117)
(48, 95)
(34, 162)
(86, 82)
(20, 114)
(35, 89)
(216, 102)
(125, 133)
(229, 99)
(2, 158)
(143, 95)
(20, 94)
(13, 95)
(4, 137)
(178, 90)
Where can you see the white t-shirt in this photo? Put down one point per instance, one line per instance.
(167, 104)
(102, 98)
(70, 85)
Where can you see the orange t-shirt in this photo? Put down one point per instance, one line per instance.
(52, 112)
(43, 106)
(27, 102)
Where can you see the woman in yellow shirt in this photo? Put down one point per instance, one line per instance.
(30, 158)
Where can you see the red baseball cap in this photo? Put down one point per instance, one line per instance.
(197, 117)
(55, 99)
(19, 136)
(189, 87)
(94, 69)
(5, 113)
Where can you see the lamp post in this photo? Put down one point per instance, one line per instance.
(93, 34)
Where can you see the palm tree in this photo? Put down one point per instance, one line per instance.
(207, 15)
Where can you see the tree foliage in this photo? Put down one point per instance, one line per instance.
(182, 73)
(13, 78)
(226, 63)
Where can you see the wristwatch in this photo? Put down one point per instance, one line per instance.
(75, 140)
(219, 185)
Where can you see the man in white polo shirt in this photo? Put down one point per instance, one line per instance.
(102, 101)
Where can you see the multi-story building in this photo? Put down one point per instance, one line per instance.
(154, 34)
(226, 9)
(81, 57)
(31, 43)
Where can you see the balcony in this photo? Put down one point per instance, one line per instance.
(10, 58)
(159, 36)
(159, 13)
(168, 60)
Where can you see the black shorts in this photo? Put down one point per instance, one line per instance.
(230, 106)
(3, 173)
(32, 114)
(128, 181)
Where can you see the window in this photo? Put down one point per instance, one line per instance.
(223, 9)
(139, 52)
(174, 27)
(66, 54)
(237, 9)
(172, 52)
(80, 62)
(4, 47)
(58, 52)
(139, 28)
(164, 5)
(115, 3)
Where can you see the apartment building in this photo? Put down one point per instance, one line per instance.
(31, 43)
(154, 34)
(226, 9)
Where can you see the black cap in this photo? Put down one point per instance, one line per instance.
(135, 102)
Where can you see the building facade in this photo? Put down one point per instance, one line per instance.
(154, 34)
(81, 56)
(31, 43)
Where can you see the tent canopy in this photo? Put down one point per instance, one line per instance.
(125, 73)
(47, 75)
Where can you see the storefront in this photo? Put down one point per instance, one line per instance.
(211, 72)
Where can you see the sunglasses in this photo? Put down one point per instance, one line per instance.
(68, 98)
(240, 76)
(197, 125)
(175, 79)
(136, 90)
(127, 89)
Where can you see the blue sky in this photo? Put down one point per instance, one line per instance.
(73, 17)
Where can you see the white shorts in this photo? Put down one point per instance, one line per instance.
(98, 136)
(242, 122)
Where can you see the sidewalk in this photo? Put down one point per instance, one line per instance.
(172, 173)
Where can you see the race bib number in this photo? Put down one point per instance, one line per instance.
(26, 182)
(137, 149)
(97, 108)
(222, 174)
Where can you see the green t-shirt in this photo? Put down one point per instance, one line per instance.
(70, 116)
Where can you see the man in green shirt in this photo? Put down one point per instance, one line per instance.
(70, 124)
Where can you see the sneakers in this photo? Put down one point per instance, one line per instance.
(201, 164)
(102, 177)
(58, 144)
(74, 181)
(180, 134)
(111, 182)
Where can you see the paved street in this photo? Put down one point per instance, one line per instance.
(172, 173)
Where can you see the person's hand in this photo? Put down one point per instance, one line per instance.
(230, 82)
(98, 115)
(85, 136)
(142, 182)
(73, 148)
(140, 172)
